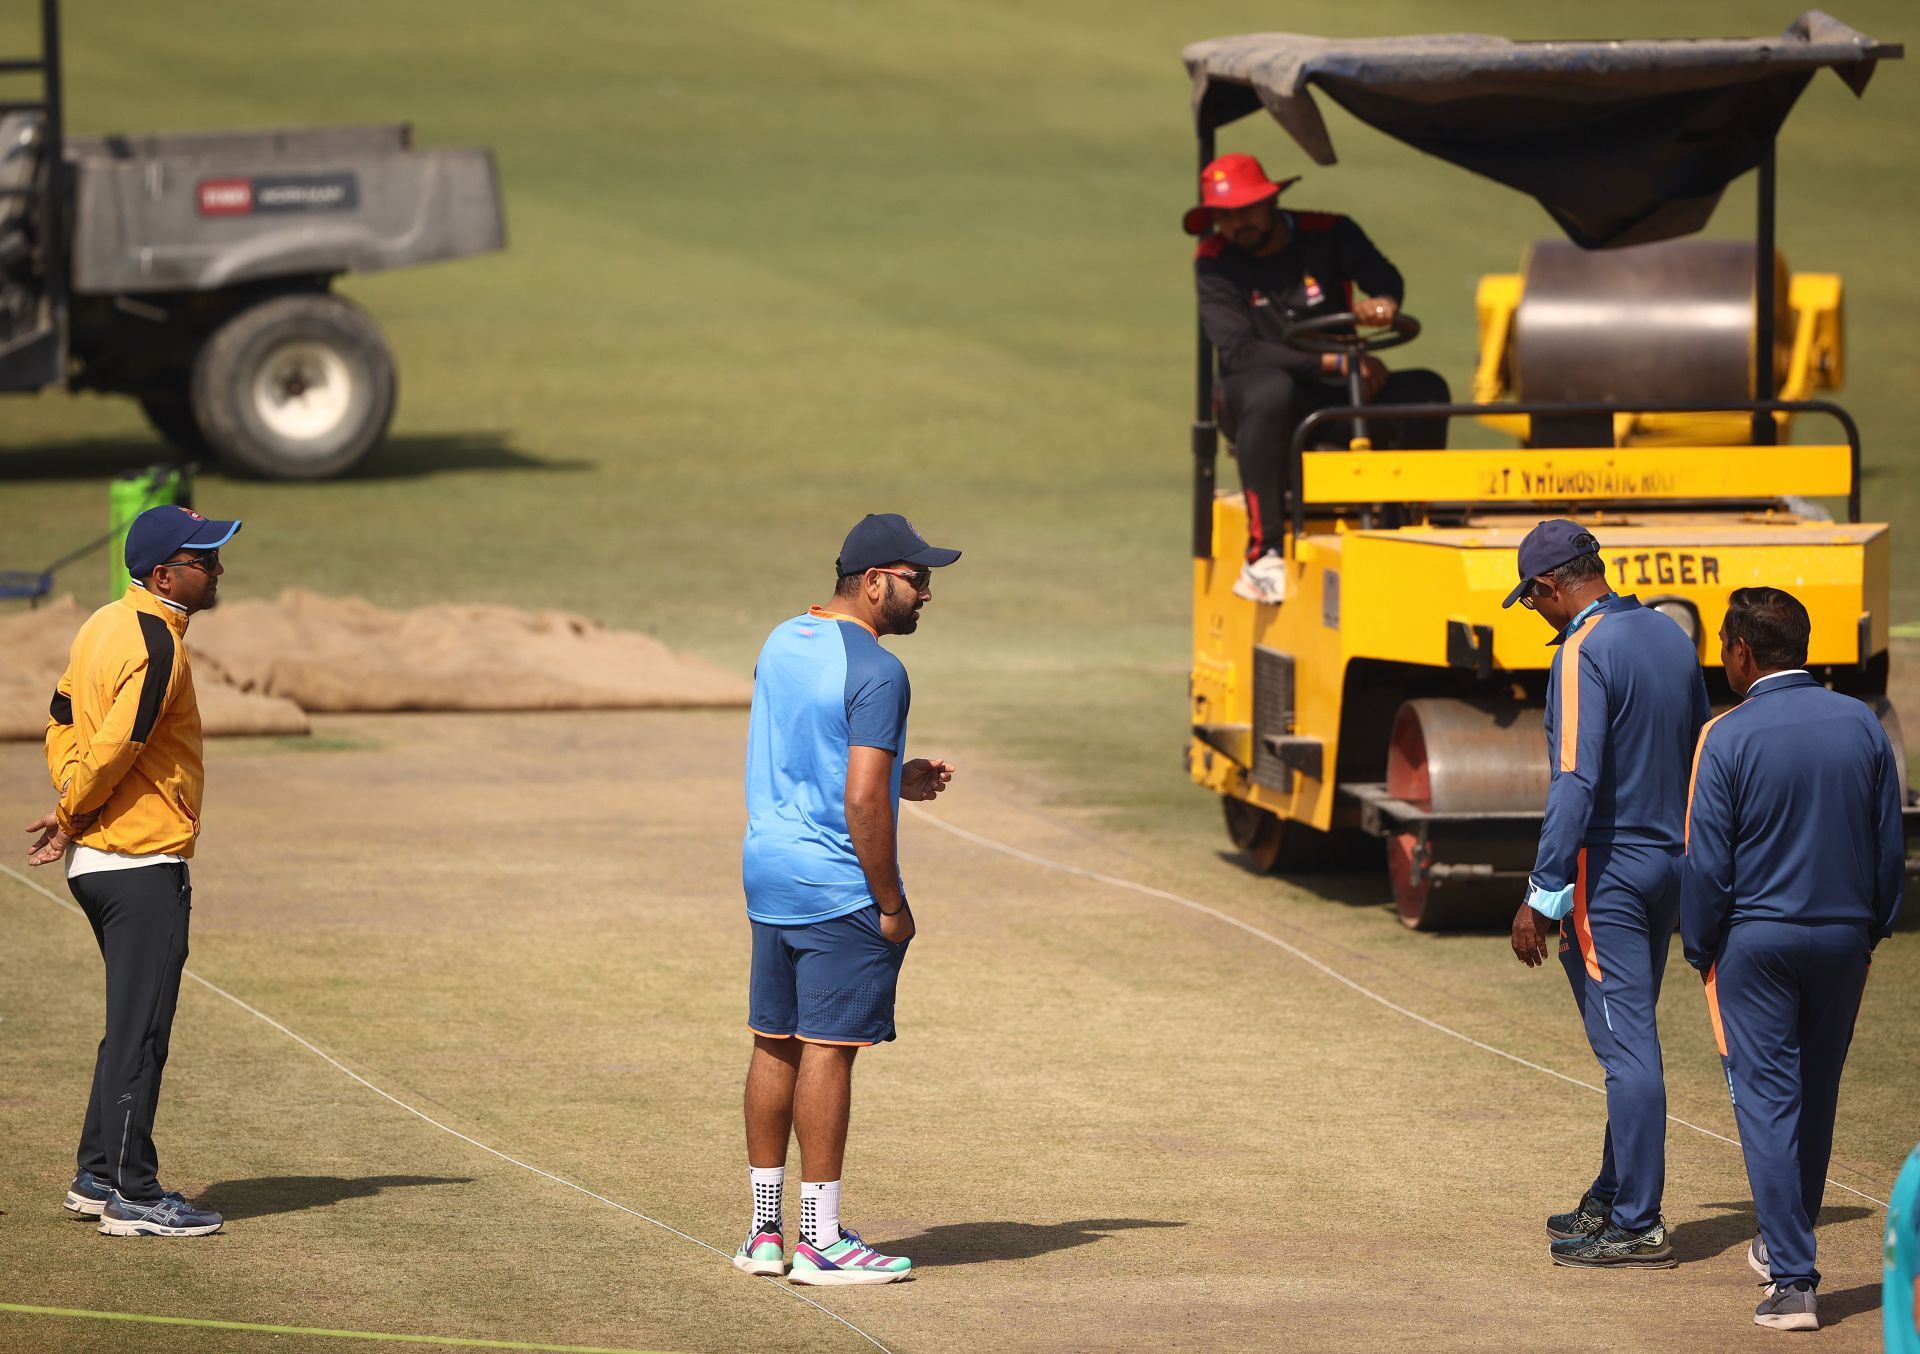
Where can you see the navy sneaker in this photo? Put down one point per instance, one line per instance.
(1616, 1246)
(87, 1194)
(1583, 1222)
(169, 1215)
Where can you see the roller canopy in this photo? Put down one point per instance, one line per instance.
(1622, 142)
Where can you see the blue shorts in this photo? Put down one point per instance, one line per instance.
(828, 982)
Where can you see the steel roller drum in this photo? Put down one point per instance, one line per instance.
(1453, 756)
(1657, 323)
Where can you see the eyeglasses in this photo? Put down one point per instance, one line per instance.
(919, 579)
(208, 562)
(1526, 598)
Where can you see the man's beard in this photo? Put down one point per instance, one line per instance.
(903, 614)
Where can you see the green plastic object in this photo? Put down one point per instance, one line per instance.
(129, 496)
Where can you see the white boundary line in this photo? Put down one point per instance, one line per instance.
(334, 1062)
(1114, 881)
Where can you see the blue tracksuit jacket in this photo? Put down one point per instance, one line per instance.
(1625, 702)
(1795, 817)
(1795, 862)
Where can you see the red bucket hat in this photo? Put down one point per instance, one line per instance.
(1231, 181)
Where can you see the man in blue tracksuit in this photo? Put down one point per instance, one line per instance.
(1795, 861)
(1625, 702)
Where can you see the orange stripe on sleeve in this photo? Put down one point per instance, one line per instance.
(1693, 776)
(1570, 693)
(1713, 1010)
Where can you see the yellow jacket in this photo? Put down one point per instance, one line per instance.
(124, 732)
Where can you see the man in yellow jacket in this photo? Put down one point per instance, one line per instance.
(123, 747)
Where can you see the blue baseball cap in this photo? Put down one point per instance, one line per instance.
(883, 537)
(1547, 547)
(159, 533)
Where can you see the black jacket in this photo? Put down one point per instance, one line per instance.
(1246, 299)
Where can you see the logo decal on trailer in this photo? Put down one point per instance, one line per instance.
(226, 197)
(279, 193)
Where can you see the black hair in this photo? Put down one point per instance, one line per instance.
(1578, 570)
(1774, 625)
(848, 585)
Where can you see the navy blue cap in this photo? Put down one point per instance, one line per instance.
(1547, 547)
(883, 537)
(160, 533)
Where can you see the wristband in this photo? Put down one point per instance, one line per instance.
(896, 911)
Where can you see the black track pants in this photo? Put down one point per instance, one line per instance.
(139, 918)
(1262, 407)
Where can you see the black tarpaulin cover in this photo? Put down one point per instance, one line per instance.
(1621, 142)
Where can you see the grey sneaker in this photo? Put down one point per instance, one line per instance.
(1790, 1308)
(169, 1215)
(1757, 1260)
(1584, 1221)
(1616, 1247)
(87, 1194)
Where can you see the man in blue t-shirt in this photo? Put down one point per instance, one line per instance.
(824, 897)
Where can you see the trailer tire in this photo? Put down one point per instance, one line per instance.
(298, 387)
(172, 417)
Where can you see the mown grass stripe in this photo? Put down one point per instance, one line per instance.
(260, 1328)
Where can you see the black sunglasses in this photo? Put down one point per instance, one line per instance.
(207, 562)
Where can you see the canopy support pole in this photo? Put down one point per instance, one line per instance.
(1765, 430)
(1206, 440)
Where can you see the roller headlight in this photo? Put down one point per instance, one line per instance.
(1682, 614)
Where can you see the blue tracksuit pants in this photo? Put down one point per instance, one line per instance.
(1614, 945)
(1783, 997)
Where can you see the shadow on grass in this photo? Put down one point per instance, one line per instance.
(1860, 1300)
(1733, 1229)
(269, 1194)
(1478, 910)
(969, 1243)
(398, 458)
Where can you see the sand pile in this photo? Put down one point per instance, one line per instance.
(260, 666)
(33, 654)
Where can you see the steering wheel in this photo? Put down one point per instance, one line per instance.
(1320, 334)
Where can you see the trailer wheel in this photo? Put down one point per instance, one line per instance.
(298, 387)
(172, 417)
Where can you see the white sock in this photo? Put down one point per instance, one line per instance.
(820, 1213)
(768, 1182)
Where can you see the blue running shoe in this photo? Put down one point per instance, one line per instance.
(169, 1215)
(87, 1194)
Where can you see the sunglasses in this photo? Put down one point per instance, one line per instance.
(207, 562)
(918, 579)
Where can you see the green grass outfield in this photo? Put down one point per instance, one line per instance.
(772, 266)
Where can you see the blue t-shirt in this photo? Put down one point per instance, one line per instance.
(822, 685)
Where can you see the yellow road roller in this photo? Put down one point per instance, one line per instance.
(1649, 380)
